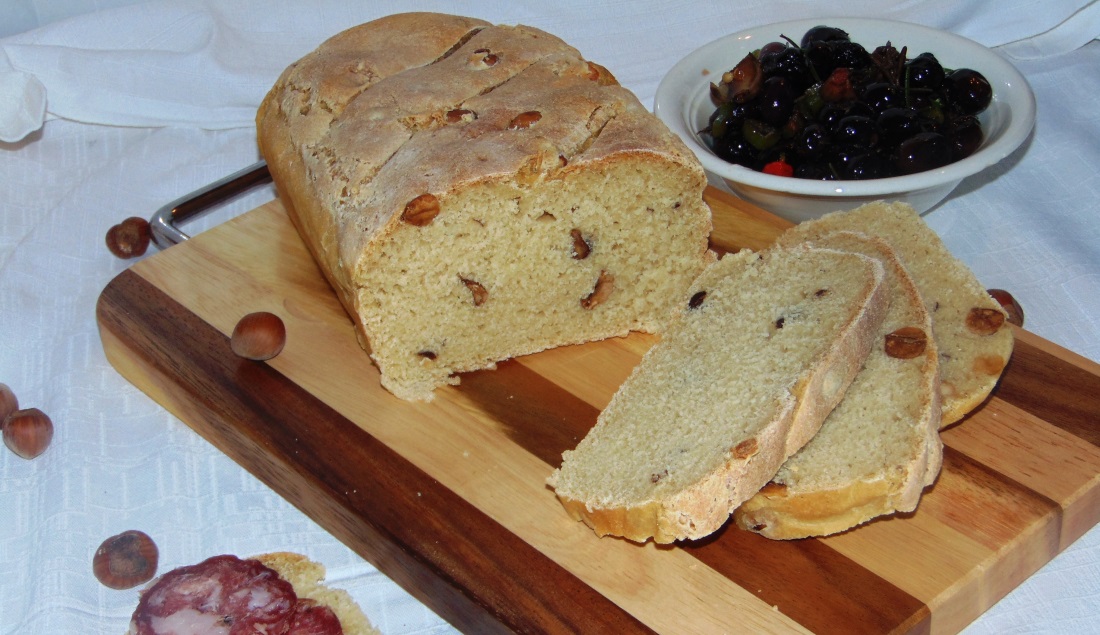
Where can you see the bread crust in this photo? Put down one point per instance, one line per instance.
(703, 507)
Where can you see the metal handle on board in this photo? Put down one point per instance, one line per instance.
(164, 223)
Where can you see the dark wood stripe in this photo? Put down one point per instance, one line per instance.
(546, 421)
(465, 566)
(1052, 389)
(812, 583)
(845, 596)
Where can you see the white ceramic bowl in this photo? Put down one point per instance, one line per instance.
(683, 103)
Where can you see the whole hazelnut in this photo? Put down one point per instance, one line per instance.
(130, 238)
(126, 560)
(8, 402)
(258, 336)
(28, 432)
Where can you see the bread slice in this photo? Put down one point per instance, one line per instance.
(761, 352)
(308, 579)
(973, 340)
(224, 591)
(880, 447)
(476, 192)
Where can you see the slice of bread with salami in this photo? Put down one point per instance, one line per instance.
(279, 592)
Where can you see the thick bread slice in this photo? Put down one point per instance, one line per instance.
(308, 579)
(476, 192)
(971, 361)
(762, 351)
(881, 446)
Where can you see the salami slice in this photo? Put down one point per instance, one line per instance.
(311, 618)
(225, 595)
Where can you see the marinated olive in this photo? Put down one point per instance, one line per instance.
(825, 108)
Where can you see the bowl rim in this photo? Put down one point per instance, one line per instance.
(675, 106)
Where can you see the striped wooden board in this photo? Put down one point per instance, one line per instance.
(449, 498)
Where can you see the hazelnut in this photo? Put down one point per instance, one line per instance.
(593, 72)
(8, 402)
(28, 432)
(478, 291)
(483, 58)
(460, 115)
(906, 343)
(983, 321)
(525, 120)
(605, 284)
(1010, 305)
(772, 489)
(130, 238)
(126, 560)
(746, 449)
(421, 210)
(258, 336)
(581, 248)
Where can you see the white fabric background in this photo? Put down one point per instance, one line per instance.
(149, 101)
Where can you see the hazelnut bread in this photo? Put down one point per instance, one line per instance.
(880, 447)
(476, 192)
(969, 326)
(764, 347)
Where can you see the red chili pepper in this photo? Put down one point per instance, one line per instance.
(779, 168)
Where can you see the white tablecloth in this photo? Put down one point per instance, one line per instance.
(147, 101)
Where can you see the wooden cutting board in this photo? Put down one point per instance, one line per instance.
(449, 498)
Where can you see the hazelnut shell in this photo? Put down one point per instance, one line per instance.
(8, 402)
(28, 432)
(258, 336)
(126, 560)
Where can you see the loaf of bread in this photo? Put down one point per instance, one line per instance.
(476, 192)
(764, 347)
(880, 447)
(968, 324)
